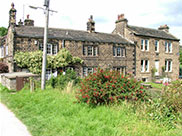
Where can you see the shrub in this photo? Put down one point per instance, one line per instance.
(3, 68)
(168, 108)
(104, 87)
(172, 96)
(33, 60)
(62, 80)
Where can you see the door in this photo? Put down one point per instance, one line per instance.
(157, 67)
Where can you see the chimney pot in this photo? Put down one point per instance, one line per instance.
(164, 28)
(28, 16)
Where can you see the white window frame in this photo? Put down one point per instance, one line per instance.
(147, 45)
(144, 67)
(53, 48)
(121, 52)
(90, 50)
(122, 69)
(144, 44)
(50, 72)
(87, 71)
(1, 52)
(6, 50)
(167, 66)
(168, 47)
(147, 66)
(156, 45)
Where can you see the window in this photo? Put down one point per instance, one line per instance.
(118, 51)
(49, 46)
(1, 51)
(156, 46)
(121, 70)
(168, 47)
(51, 72)
(52, 49)
(55, 49)
(144, 45)
(168, 65)
(87, 70)
(6, 50)
(90, 50)
(144, 65)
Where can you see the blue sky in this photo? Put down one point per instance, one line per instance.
(73, 14)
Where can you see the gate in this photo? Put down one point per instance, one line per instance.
(19, 83)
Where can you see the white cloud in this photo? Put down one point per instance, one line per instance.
(73, 14)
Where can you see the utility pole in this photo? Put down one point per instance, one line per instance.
(46, 10)
(43, 77)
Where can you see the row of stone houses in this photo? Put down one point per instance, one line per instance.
(128, 49)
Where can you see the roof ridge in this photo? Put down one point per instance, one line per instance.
(68, 29)
(144, 27)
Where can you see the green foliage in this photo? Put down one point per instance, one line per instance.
(104, 87)
(172, 96)
(168, 108)
(30, 60)
(153, 70)
(62, 80)
(180, 57)
(3, 31)
(33, 60)
(180, 70)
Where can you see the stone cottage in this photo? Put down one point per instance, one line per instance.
(129, 49)
(155, 50)
(94, 48)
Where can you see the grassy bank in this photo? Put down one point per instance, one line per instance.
(55, 113)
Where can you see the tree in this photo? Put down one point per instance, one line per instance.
(180, 57)
(3, 31)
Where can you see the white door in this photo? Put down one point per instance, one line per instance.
(157, 67)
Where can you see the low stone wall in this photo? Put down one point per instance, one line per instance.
(9, 79)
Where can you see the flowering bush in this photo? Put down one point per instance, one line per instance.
(104, 87)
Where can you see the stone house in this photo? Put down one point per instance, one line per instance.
(94, 48)
(129, 49)
(155, 49)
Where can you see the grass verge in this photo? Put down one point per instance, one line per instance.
(55, 113)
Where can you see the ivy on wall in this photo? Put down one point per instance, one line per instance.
(33, 60)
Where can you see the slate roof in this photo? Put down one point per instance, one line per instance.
(141, 31)
(67, 34)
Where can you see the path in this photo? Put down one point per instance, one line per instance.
(10, 125)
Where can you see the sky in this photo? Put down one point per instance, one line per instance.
(74, 14)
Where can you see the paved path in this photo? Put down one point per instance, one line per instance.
(10, 125)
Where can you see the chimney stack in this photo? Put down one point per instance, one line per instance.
(28, 22)
(164, 28)
(12, 15)
(121, 24)
(91, 25)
